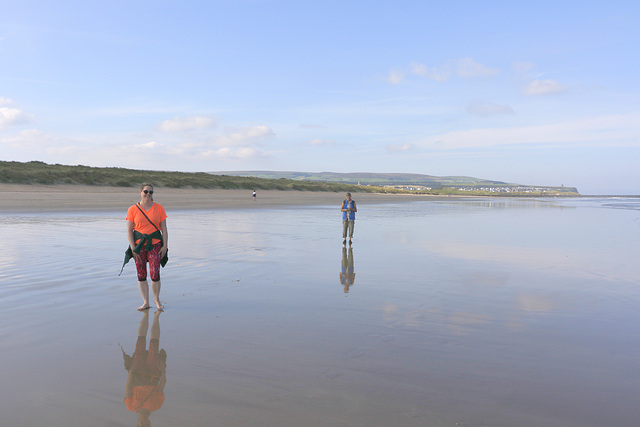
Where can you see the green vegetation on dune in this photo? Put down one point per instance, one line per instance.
(36, 172)
(41, 173)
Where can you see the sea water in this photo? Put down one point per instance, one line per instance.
(475, 311)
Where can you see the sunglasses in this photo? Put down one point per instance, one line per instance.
(148, 191)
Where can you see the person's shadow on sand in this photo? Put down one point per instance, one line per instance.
(347, 273)
(147, 369)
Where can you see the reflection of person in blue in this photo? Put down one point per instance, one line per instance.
(144, 391)
(347, 273)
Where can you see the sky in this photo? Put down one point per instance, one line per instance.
(535, 93)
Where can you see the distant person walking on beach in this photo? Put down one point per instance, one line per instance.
(148, 243)
(349, 210)
(254, 195)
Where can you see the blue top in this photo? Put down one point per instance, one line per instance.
(348, 205)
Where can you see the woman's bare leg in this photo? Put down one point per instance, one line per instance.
(155, 287)
(144, 292)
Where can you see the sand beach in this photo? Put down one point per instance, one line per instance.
(60, 198)
(443, 312)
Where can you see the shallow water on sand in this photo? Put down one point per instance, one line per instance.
(501, 312)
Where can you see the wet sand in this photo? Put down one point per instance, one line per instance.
(69, 198)
(444, 312)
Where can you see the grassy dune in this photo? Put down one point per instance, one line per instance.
(41, 173)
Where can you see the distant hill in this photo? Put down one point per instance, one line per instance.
(399, 180)
(367, 178)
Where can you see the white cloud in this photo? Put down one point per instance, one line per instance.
(246, 136)
(522, 67)
(235, 144)
(179, 124)
(321, 142)
(5, 101)
(486, 109)
(167, 151)
(238, 153)
(439, 74)
(543, 87)
(13, 116)
(467, 67)
(27, 138)
(312, 126)
(463, 67)
(33, 144)
(149, 145)
(395, 77)
(394, 148)
(605, 131)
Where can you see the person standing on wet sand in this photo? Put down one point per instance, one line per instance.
(349, 210)
(149, 243)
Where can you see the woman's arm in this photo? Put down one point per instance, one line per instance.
(131, 239)
(165, 238)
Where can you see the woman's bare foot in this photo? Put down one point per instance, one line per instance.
(159, 306)
(143, 307)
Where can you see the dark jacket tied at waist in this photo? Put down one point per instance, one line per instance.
(145, 239)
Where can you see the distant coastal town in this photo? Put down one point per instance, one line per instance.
(487, 189)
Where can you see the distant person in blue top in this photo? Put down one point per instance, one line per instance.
(349, 210)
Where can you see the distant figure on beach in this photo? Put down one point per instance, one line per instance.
(148, 243)
(349, 210)
(254, 195)
(144, 391)
(347, 273)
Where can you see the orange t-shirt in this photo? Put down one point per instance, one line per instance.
(141, 224)
(144, 396)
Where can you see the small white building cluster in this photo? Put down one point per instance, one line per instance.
(408, 187)
(502, 189)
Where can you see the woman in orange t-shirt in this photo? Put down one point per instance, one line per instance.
(149, 242)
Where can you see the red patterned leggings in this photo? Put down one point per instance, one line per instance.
(153, 258)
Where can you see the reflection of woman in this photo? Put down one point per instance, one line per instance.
(347, 273)
(148, 241)
(144, 391)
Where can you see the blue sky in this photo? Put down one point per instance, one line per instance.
(544, 93)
